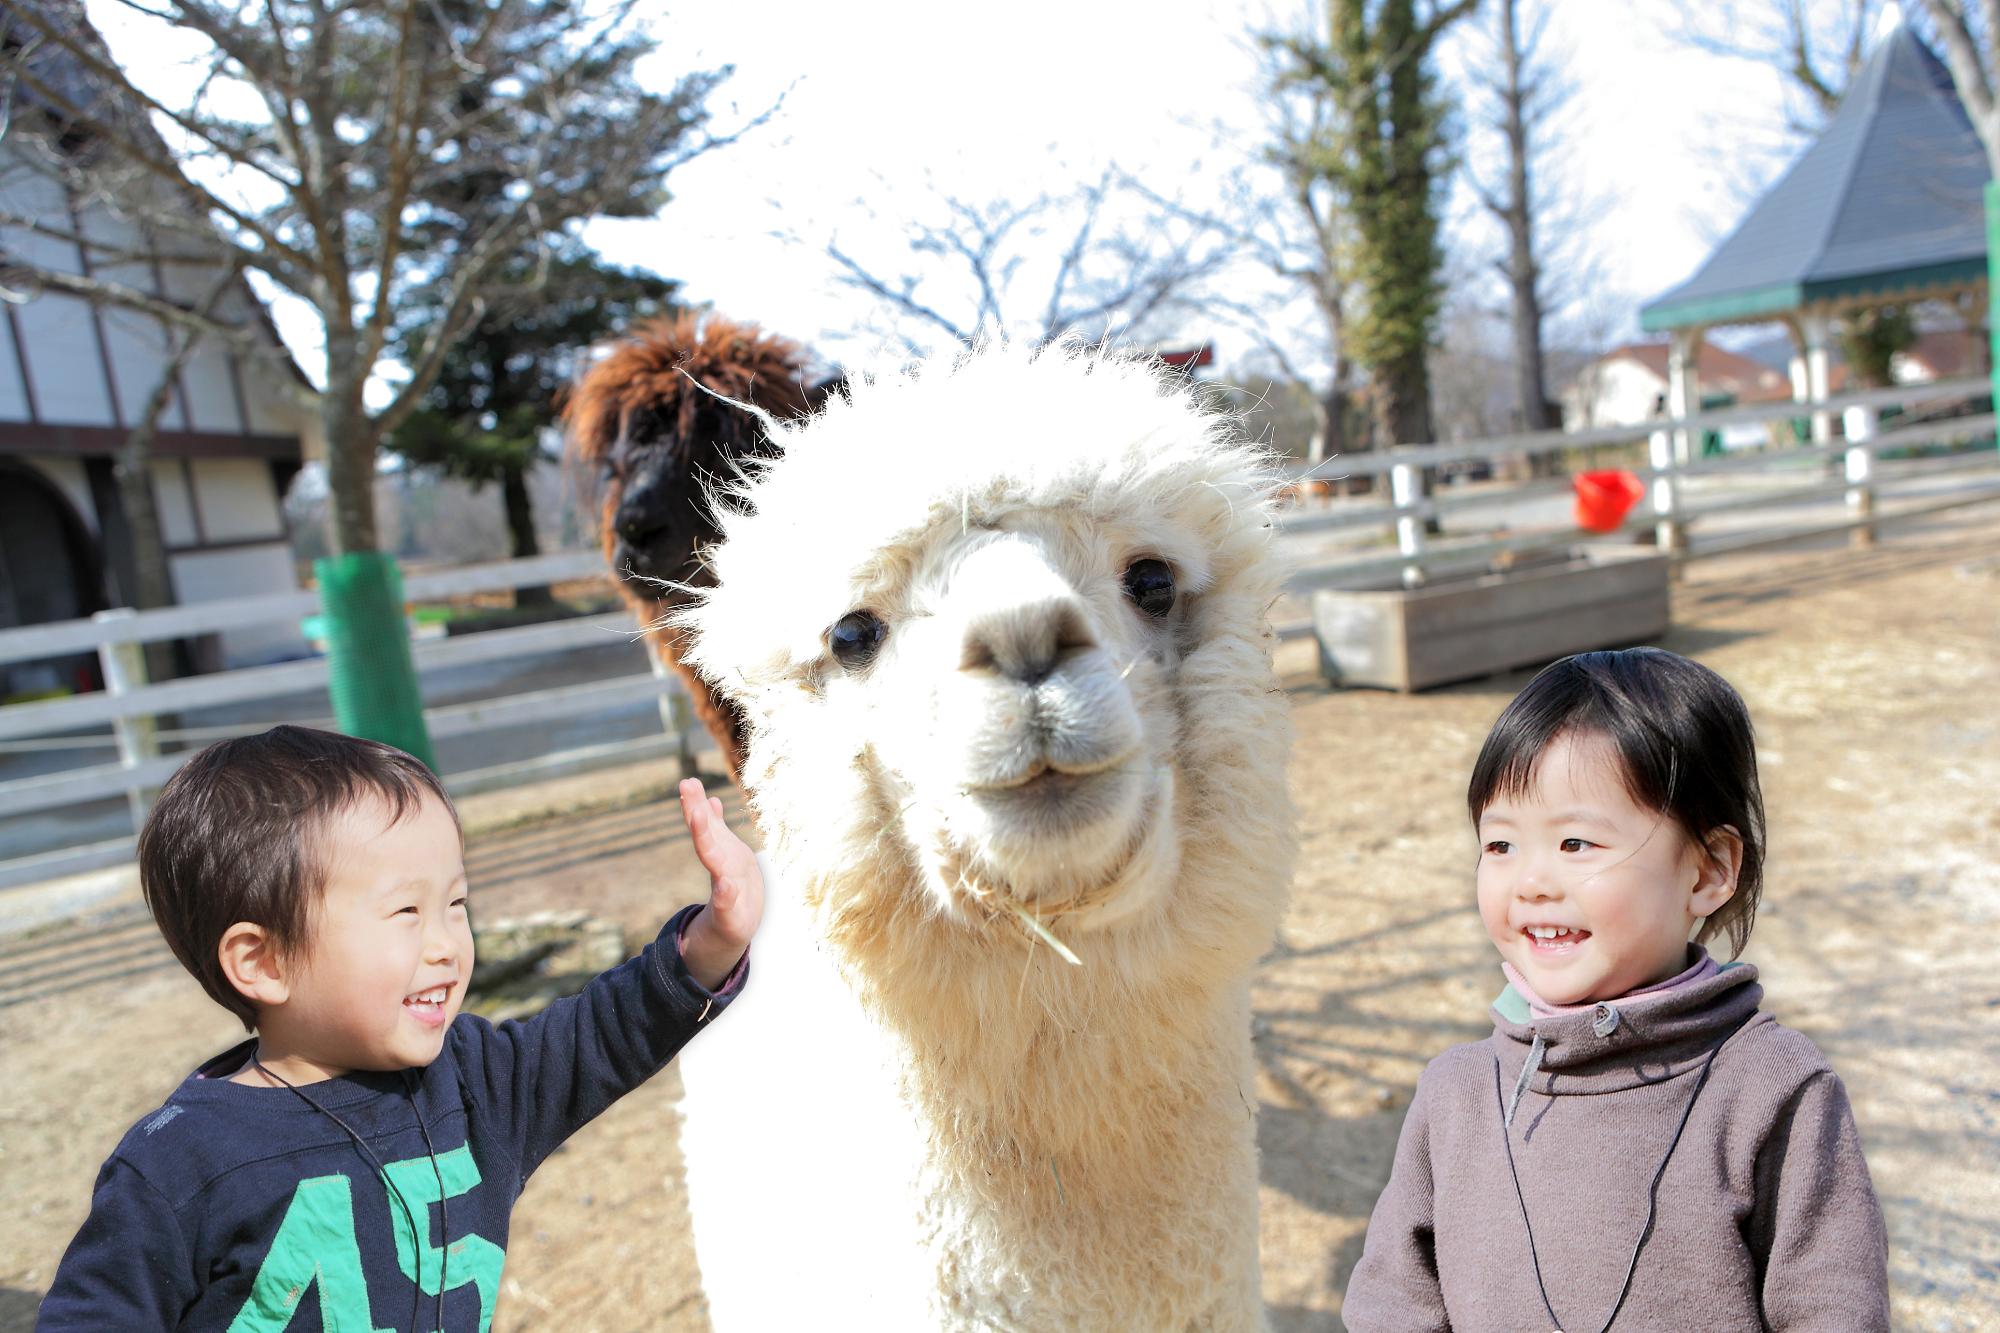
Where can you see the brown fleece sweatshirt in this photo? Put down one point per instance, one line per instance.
(1766, 1218)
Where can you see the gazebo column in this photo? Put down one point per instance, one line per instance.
(1801, 379)
(1816, 333)
(1684, 389)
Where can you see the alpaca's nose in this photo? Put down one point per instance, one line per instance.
(642, 511)
(1021, 617)
(1027, 640)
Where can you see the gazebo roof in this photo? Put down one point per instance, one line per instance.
(1887, 204)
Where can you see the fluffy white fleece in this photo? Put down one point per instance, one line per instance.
(919, 1115)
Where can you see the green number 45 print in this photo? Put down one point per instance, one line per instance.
(316, 1250)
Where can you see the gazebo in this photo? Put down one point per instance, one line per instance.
(1886, 206)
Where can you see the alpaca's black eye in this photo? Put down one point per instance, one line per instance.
(1150, 585)
(856, 637)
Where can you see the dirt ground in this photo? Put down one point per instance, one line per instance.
(1874, 678)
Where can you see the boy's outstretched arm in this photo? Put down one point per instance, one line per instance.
(544, 1077)
(715, 940)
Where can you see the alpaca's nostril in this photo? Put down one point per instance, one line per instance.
(1027, 642)
(638, 530)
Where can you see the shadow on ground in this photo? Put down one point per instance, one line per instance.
(17, 1310)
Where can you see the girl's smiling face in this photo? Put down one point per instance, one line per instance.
(1589, 894)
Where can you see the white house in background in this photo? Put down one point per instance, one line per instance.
(1938, 354)
(1627, 386)
(73, 376)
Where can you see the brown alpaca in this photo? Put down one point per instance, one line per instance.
(655, 442)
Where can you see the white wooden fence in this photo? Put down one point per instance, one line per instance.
(1872, 491)
(129, 704)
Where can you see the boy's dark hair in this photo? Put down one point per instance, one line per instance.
(1682, 733)
(235, 836)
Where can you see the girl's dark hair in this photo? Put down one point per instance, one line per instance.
(1682, 733)
(237, 835)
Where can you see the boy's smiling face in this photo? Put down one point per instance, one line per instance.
(385, 967)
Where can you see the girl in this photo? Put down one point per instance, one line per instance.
(1636, 1144)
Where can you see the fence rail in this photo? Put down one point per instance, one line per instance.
(1414, 512)
(1685, 495)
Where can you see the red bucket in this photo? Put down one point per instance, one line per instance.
(1603, 499)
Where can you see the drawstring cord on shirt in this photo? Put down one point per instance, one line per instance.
(416, 1236)
(1528, 1068)
(1605, 1021)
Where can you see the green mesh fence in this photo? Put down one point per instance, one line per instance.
(370, 675)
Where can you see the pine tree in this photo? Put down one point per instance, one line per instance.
(486, 417)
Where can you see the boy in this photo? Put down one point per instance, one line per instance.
(353, 1165)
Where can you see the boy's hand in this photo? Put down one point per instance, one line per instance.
(713, 943)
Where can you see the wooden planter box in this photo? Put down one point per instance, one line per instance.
(1479, 625)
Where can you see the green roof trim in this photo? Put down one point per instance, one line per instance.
(1898, 283)
(1903, 284)
(1737, 307)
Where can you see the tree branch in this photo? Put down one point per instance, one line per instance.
(1968, 72)
(98, 291)
(860, 277)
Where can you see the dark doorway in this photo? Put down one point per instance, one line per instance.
(49, 570)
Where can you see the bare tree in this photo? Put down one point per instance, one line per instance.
(1385, 155)
(1524, 89)
(132, 470)
(1287, 224)
(1301, 231)
(1971, 43)
(1121, 263)
(1818, 47)
(375, 124)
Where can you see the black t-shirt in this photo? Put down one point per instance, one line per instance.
(245, 1208)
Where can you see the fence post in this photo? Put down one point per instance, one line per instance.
(1860, 425)
(1406, 493)
(1666, 495)
(676, 714)
(124, 668)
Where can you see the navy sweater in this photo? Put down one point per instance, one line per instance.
(243, 1208)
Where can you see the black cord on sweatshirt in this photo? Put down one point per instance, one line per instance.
(1652, 1190)
(416, 1235)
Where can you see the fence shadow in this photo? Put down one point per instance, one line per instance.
(1803, 569)
(17, 1309)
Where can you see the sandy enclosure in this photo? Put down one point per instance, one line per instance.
(1874, 678)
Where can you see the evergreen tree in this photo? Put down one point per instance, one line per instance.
(486, 417)
(1386, 154)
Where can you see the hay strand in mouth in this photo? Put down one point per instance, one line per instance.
(1043, 933)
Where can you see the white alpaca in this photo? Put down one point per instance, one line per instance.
(999, 628)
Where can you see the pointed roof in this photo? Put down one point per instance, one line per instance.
(1887, 203)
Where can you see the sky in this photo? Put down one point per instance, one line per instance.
(884, 106)
(893, 100)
